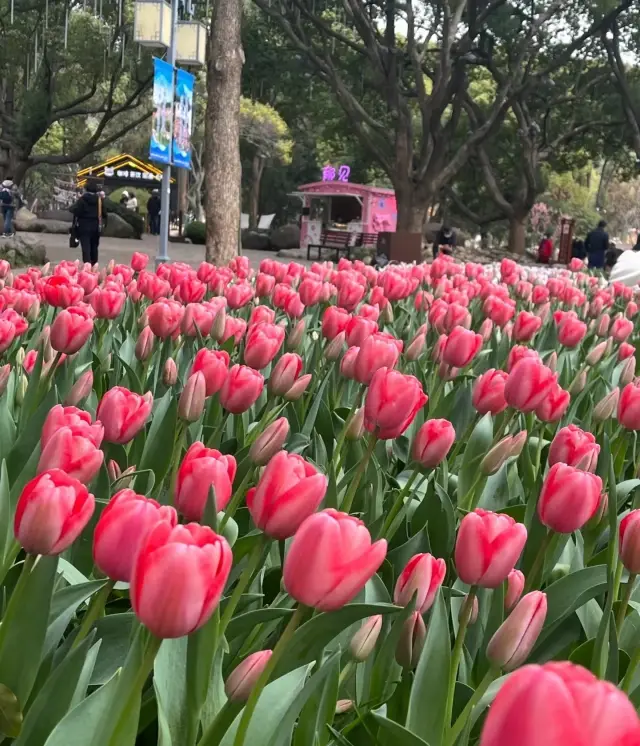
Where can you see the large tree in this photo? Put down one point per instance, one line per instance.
(64, 68)
(419, 57)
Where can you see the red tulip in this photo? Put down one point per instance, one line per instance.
(262, 344)
(569, 498)
(290, 490)
(621, 329)
(392, 402)
(178, 578)
(198, 317)
(214, 366)
(123, 414)
(514, 639)
(334, 321)
(358, 329)
(122, 529)
(487, 547)
(629, 406)
(190, 290)
(518, 353)
(284, 374)
(461, 347)
(625, 351)
(350, 293)
(108, 302)
(201, 469)
(574, 447)
(560, 704)
(526, 326)
(571, 331)
(515, 586)
(61, 292)
(241, 389)
(73, 417)
(74, 450)
(7, 334)
(630, 541)
(264, 285)
(433, 442)
(377, 351)
(348, 363)
(232, 328)
(51, 513)
(421, 577)
(554, 405)
(330, 560)
(262, 315)
(139, 261)
(71, 329)
(244, 677)
(488, 392)
(238, 295)
(170, 372)
(164, 317)
(528, 384)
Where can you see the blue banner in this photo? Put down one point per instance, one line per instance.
(162, 124)
(183, 119)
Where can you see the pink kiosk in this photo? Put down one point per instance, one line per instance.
(334, 206)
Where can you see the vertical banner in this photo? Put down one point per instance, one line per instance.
(162, 123)
(183, 119)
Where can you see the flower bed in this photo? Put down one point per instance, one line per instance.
(323, 506)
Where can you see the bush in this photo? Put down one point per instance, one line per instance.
(135, 221)
(195, 232)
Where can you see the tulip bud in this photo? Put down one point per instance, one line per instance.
(609, 348)
(600, 513)
(114, 470)
(243, 678)
(20, 356)
(296, 335)
(604, 322)
(191, 402)
(416, 347)
(143, 320)
(552, 361)
(8, 280)
(473, 617)
(518, 443)
(34, 310)
(334, 349)
(411, 642)
(144, 345)
(514, 639)
(596, 353)
(219, 324)
(46, 269)
(44, 341)
(387, 314)
(580, 381)
(496, 456)
(269, 442)
(364, 640)
(298, 388)
(170, 372)
(21, 388)
(5, 372)
(486, 330)
(344, 705)
(355, 428)
(606, 407)
(628, 372)
(515, 586)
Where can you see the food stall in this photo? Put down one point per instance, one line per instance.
(336, 204)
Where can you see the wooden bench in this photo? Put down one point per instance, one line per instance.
(367, 240)
(335, 240)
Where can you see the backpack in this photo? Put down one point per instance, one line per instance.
(6, 197)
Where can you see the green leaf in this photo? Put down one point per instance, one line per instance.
(242, 624)
(8, 428)
(63, 607)
(476, 449)
(55, 697)
(431, 677)
(311, 638)
(6, 512)
(158, 446)
(27, 446)
(170, 683)
(115, 633)
(272, 706)
(10, 714)
(310, 420)
(393, 734)
(386, 670)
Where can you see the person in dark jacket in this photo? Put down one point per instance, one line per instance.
(445, 241)
(90, 216)
(577, 249)
(153, 210)
(596, 245)
(637, 244)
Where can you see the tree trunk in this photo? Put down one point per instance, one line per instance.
(518, 233)
(412, 211)
(223, 170)
(257, 168)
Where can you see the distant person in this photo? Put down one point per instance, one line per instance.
(577, 249)
(611, 256)
(596, 245)
(445, 241)
(10, 201)
(132, 202)
(545, 247)
(89, 218)
(637, 244)
(153, 210)
(124, 198)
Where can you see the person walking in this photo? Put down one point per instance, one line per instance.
(596, 245)
(132, 202)
(89, 217)
(153, 210)
(9, 200)
(445, 241)
(545, 247)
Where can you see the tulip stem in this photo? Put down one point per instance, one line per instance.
(464, 716)
(538, 564)
(343, 433)
(617, 579)
(235, 500)
(95, 608)
(628, 677)
(622, 611)
(12, 553)
(397, 506)
(243, 582)
(346, 504)
(280, 647)
(465, 615)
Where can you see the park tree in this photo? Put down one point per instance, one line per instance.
(71, 81)
(419, 58)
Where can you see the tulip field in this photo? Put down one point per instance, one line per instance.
(324, 506)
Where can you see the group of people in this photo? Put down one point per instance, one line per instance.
(130, 202)
(597, 248)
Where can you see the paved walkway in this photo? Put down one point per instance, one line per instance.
(122, 249)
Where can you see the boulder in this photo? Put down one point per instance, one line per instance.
(63, 216)
(24, 219)
(48, 226)
(286, 237)
(23, 251)
(118, 227)
(255, 241)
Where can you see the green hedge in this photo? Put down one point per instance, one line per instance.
(195, 231)
(135, 220)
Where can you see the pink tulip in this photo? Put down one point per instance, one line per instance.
(123, 414)
(488, 392)
(392, 402)
(285, 373)
(244, 677)
(269, 442)
(262, 344)
(528, 384)
(513, 641)
(422, 577)
(70, 450)
(214, 365)
(433, 442)
(569, 498)
(574, 447)
(241, 389)
(515, 586)
(201, 469)
(461, 347)
(71, 329)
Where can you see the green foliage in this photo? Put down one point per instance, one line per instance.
(135, 220)
(195, 231)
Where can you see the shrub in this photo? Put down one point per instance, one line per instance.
(195, 232)
(135, 220)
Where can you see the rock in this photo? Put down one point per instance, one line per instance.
(286, 237)
(24, 219)
(118, 227)
(23, 251)
(48, 226)
(292, 253)
(62, 215)
(255, 241)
